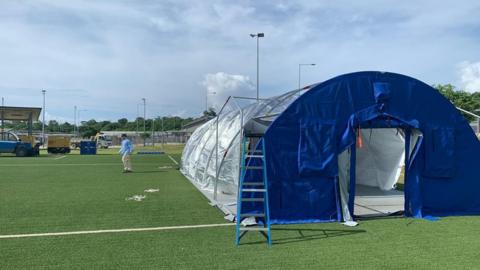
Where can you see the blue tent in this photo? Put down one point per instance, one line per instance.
(311, 149)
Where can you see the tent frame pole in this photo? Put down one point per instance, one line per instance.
(216, 150)
(408, 135)
(351, 189)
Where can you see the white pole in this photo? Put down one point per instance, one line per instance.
(258, 36)
(74, 120)
(3, 115)
(144, 114)
(153, 132)
(43, 119)
(144, 120)
(136, 119)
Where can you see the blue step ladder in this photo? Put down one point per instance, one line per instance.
(250, 192)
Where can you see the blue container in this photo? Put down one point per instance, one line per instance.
(88, 148)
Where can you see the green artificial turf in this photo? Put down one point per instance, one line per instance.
(41, 195)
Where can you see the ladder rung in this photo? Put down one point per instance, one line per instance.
(253, 229)
(255, 151)
(253, 199)
(253, 183)
(252, 215)
(254, 156)
(254, 190)
(253, 167)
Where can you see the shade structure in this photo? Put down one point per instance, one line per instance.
(355, 129)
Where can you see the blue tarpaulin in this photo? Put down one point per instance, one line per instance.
(304, 142)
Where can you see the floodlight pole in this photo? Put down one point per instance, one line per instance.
(163, 134)
(3, 121)
(43, 118)
(144, 113)
(74, 119)
(144, 119)
(258, 36)
(136, 118)
(153, 132)
(300, 72)
(79, 121)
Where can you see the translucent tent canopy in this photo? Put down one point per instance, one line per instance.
(203, 158)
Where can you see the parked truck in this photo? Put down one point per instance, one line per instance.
(58, 144)
(10, 143)
(103, 141)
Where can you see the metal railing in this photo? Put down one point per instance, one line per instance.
(477, 128)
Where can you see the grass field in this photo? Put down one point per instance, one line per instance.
(77, 193)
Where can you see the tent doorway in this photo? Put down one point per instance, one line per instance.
(380, 159)
(371, 170)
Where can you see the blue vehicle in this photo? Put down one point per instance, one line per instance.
(10, 143)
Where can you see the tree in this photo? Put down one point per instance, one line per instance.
(88, 131)
(66, 127)
(210, 112)
(52, 126)
(89, 128)
(460, 98)
(122, 122)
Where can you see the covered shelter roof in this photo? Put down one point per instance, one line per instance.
(19, 113)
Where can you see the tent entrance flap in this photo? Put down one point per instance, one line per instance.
(369, 172)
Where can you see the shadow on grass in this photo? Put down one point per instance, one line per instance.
(306, 235)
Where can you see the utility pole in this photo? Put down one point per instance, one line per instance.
(144, 113)
(75, 120)
(3, 116)
(258, 36)
(144, 119)
(136, 119)
(163, 134)
(43, 119)
(153, 132)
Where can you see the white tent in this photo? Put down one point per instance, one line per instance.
(201, 159)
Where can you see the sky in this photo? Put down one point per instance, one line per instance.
(184, 55)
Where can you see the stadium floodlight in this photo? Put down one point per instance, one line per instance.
(300, 72)
(258, 36)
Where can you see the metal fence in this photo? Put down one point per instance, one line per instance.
(157, 138)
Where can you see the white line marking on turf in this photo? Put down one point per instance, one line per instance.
(116, 230)
(60, 157)
(172, 159)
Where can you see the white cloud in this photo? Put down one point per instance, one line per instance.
(219, 86)
(121, 51)
(470, 76)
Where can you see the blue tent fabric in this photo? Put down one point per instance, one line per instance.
(303, 144)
